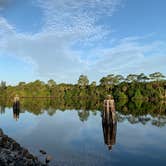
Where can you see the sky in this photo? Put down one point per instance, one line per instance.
(62, 39)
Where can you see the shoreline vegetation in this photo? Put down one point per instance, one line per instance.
(132, 87)
(135, 94)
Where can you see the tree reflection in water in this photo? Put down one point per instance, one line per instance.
(144, 112)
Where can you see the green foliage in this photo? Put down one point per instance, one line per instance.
(83, 80)
(132, 77)
(93, 84)
(137, 95)
(156, 76)
(138, 103)
(122, 95)
(3, 85)
(51, 83)
(110, 80)
(142, 78)
(136, 87)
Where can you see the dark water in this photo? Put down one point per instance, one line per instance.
(75, 137)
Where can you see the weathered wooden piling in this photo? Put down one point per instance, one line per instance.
(16, 107)
(16, 103)
(109, 123)
(109, 103)
(109, 107)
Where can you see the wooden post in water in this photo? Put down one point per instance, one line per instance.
(16, 107)
(16, 103)
(109, 107)
(109, 102)
(109, 124)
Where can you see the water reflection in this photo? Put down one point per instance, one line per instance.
(109, 124)
(2, 109)
(72, 142)
(16, 110)
(133, 112)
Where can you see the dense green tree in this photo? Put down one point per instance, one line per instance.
(83, 80)
(103, 81)
(3, 85)
(156, 76)
(132, 77)
(22, 83)
(51, 83)
(111, 79)
(93, 84)
(108, 80)
(142, 78)
(118, 79)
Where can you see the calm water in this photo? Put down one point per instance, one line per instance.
(75, 137)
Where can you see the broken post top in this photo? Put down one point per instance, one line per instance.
(109, 102)
(16, 98)
(110, 99)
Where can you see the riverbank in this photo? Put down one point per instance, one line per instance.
(12, 154)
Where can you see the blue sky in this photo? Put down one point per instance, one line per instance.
(62, 39)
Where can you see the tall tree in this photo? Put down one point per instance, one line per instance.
(51, 83)
(83, 80)
(118, 79)
(131, 77)
(3, 85)
(142, 77)
(156, 76)
(103, 81)
(111, 79)
(93, 84)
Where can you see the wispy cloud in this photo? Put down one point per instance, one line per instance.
(69, 13)
(131, 56)
(65, 23)
(77, 19)
(69, 24)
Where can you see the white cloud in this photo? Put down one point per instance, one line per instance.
(68, 23)
(131, 57)
(49, 52)
(77, 18)
(6, 30)
(69, 13)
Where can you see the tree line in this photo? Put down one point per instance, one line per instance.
(131, 87)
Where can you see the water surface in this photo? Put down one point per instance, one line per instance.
(75, 137)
